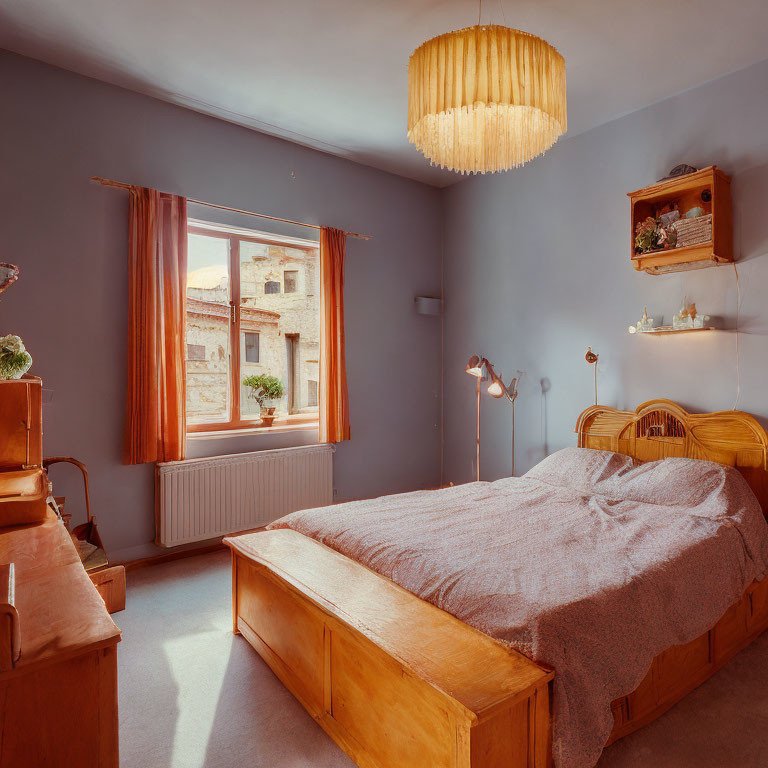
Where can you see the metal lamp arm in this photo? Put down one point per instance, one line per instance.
(79, 464)
(510, 391)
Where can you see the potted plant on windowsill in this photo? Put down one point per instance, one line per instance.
(266, 390)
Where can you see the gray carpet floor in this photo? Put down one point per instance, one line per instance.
(193, 695)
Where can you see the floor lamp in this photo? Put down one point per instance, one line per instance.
(497, 389)
(475, 368)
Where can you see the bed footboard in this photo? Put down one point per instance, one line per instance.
(392, 679)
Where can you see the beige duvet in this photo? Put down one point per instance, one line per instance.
(585, 564)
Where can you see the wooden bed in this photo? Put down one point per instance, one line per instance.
(399, 683)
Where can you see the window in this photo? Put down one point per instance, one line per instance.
(311, 392)
(251, 347)
(241, 326)
(195, 352)
(290, 281)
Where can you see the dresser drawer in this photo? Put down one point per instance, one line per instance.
(110, 584)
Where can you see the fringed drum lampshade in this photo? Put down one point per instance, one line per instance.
(485, 98)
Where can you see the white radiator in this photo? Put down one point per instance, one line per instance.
(200, 499)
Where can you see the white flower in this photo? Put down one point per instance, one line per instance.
(11, 343)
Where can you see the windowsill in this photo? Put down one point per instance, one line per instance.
(255, 430)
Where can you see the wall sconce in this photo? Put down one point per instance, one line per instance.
(427, 305)
(477, 366)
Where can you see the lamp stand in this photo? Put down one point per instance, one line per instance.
(595, 382)
(513, 438)
(591, 358)
(477, 435)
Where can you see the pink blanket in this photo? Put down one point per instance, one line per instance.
(585, 564)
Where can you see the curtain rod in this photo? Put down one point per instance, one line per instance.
(122, 185)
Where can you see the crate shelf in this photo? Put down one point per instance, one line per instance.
(687, 192)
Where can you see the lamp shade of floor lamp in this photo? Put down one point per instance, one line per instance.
(475, 366)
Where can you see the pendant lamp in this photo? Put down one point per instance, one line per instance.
(485, 99)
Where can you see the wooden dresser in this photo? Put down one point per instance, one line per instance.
(58, 644)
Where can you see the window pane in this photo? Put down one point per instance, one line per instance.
(195, 352)
(251, 347)
(286, 323)
(208, 329)
(290, 280)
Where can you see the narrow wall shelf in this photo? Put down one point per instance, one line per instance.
(667, 329)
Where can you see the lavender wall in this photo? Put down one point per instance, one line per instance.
(537, 269)
(69, 235)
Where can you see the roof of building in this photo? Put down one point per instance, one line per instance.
(248, 315)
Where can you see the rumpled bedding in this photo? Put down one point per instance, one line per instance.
(586, 564)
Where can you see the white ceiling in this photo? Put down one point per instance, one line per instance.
(332, 74)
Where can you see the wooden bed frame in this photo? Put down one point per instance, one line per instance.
(399, 683)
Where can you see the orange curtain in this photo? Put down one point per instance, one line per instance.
(157, 271)
(334, 408)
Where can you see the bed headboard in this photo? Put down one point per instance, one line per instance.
(661, 428)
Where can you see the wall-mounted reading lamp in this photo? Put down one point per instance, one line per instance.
(497, 389)
(591, 358)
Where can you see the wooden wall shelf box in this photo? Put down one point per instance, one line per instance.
(687, 191)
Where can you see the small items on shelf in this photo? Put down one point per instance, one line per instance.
(686, 319)
(643, 325)
(652, 235)
(693, 230)
(683, 222)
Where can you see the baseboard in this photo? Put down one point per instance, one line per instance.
(135, 557)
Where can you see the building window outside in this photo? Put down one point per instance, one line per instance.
(290, 281)
(248, 327)
(251, 347)
(195, 351)
(312, 392)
